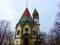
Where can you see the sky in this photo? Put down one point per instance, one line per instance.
(12, 10)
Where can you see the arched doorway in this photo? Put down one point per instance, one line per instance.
(26, 41)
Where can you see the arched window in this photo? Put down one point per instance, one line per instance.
(18, 32)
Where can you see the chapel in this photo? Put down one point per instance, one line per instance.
(27, 30)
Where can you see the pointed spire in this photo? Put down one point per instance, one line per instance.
(35, 12)
(26, 17)
(26, 13)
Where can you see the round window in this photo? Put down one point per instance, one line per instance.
(26, 29)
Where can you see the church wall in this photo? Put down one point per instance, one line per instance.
(26, 26)
(37, 29)
(17, 41)
(36, 21)
(18, 28)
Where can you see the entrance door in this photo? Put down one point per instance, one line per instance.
(26, 41)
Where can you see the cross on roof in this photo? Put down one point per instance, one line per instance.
(26, 4)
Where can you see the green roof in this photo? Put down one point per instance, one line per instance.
(24, 20)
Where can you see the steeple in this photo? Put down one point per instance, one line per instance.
(26, 14)
(26, 17)
(35, 14)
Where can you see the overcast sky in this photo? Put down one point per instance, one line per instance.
(12, 10)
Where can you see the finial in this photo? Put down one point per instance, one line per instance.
(26, 4)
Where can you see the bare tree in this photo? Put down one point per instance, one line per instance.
(55, 32)
(6, 34)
